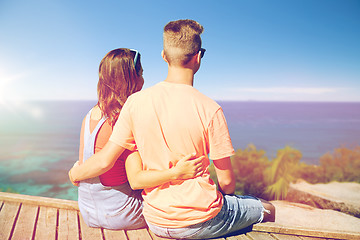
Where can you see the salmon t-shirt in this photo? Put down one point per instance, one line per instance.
(166, 122)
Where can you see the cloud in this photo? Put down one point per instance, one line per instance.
(308, 94)
(286, 90)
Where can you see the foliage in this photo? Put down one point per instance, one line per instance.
(280, 174)
(343, 165)
(9, 190)
(249, 166)
(256, 175)
(310, 173)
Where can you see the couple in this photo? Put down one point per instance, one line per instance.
(164, 137)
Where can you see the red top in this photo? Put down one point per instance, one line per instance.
(117, 174)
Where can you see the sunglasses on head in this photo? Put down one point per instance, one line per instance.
(202, 52)
(136, 55)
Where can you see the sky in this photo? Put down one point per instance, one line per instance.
(256, 50)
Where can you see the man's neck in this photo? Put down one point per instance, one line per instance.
(180, 75)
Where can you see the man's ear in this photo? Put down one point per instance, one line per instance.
(198, 57)
(163, 56)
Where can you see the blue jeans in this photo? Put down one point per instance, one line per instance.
(237, 212)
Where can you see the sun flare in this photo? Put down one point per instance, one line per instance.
(6, 93)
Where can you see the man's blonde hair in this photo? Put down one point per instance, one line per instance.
(181, 41)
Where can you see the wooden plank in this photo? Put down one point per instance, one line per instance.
(89, 233)
(46, 225)
(8, 216)
(153, 235)
(239, 237)
(260, 236)
(273, 228)
(39, 201)
(287, 237)
(25, 224)
(16, 219)
(114, 234)
(68, 226)
(140, 234)
(309, 238)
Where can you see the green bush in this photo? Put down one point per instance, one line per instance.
(9, 190)
(256, 175)
(280, 174)
(343, 165)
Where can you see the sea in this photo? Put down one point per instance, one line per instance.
(39, 140)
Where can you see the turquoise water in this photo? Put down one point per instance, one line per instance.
(38, 145)
(39, 140)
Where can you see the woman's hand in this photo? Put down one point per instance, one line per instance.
(189, 167)
(75, 183)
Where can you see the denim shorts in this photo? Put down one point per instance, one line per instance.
(117, 207)
(237, 213)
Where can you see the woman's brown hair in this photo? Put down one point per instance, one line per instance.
(119, 77)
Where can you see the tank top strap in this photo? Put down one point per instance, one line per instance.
(98, 126)
(87, 124)
(90, 137)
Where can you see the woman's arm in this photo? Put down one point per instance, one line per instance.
(186, 168)
(97, 164)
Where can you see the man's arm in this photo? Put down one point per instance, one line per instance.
(97, 164)
(185, 168)
(225, 175)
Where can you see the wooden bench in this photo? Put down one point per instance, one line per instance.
(32, 217)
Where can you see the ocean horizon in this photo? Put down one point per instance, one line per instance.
(39, 140)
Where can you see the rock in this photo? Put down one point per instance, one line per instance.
(343, 197)
(296, 215)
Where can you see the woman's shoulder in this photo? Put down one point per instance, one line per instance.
(96, 113)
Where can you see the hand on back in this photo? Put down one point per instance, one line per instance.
(190, 167)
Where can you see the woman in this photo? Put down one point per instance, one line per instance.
(108, 201)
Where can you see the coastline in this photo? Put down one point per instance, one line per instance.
(39, 140)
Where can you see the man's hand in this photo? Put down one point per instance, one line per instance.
(189, 167)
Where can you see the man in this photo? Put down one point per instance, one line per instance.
(170, 120)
